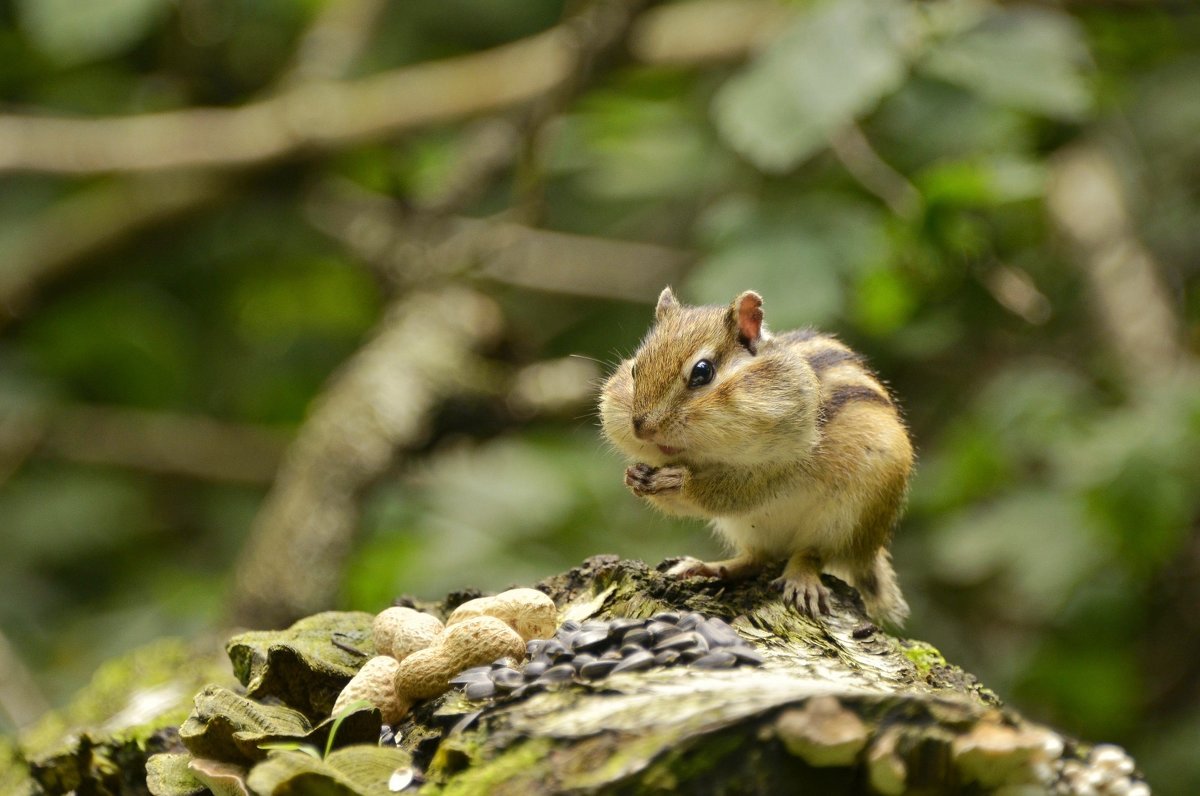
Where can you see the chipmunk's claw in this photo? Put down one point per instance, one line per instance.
(644, 479)
(806, 592)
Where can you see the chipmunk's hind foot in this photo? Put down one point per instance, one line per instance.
(737, 568)
(801, 585)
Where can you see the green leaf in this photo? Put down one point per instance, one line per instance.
(833, 65)
(1031, 59)
(358, 704)
(883, 302)
(983, 182)
(795, 253)
(629, 148)
(1034, 548)
(794, 273)
(72, 32)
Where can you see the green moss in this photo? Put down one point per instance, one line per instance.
(923, 656)
(102, 738)
(519, 769)
(691, 764)
(14, 773)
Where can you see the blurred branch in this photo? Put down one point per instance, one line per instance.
(201, 448)
(1086, 202)
(329, 114)
(851, 147)
(1014, 289)
(382, 399)
(311, 116)
(399, 243)
(338, 35)
(91, 220)
(162, 443)
(705, 31)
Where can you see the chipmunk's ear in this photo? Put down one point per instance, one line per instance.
(667, 303)
(746, 319)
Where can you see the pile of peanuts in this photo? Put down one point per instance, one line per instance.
(418, 656)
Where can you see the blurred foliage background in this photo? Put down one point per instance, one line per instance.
(304, 303)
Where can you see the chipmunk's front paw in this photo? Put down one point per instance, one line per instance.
(645, 480)
(805, 591)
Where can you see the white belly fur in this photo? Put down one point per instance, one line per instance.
(806, 518)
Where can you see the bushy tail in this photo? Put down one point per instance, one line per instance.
(880, 591)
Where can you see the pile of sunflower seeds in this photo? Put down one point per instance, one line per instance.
(593, 650)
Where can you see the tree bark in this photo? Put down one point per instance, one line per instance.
(838, 706)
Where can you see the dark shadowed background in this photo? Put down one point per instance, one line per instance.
(303, 304)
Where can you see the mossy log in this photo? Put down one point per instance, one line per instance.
(839, 706)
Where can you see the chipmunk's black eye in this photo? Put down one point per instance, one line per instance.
(633, 371)
(702, 373)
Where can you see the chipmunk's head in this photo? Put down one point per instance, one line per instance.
(698, 388)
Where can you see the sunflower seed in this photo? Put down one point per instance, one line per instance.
(623, 623)
(589, 639)
(581, 660)
(476, 674)
(507, 679)
(682, 641)
(661, 630)
(721, 659)
(554, 650)
(557, 674)
(747, 654)
(480, 690)
(640, 660)
(690, 621)
(597, 669)
(534, 669)
(638, 635)
(718, 633)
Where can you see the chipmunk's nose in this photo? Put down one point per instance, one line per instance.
(639, 424)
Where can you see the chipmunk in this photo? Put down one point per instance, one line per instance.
(788, 443)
